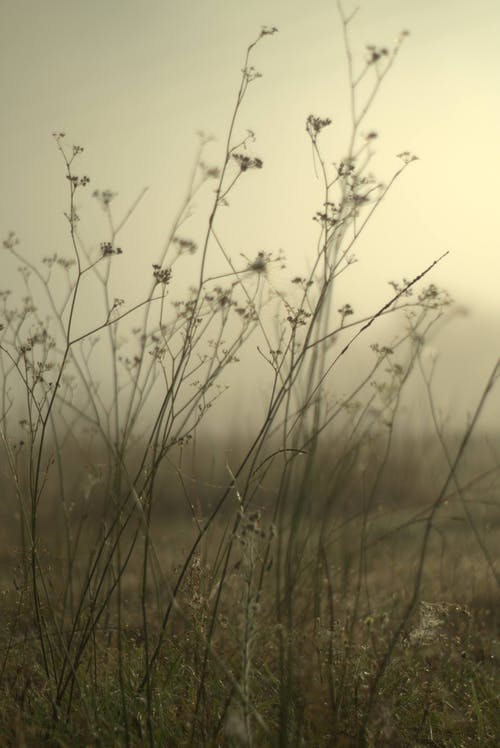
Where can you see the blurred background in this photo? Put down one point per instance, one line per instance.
(133, 82)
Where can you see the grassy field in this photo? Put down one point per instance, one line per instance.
(281, 634)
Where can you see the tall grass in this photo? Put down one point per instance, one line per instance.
(278, 600)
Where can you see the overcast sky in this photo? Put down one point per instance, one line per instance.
(133, 81)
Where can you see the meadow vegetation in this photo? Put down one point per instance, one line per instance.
(333, 581)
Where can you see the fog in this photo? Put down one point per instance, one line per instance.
(133, 83)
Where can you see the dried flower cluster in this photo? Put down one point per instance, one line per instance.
(108, 249)
(247, 162)
(162, 275)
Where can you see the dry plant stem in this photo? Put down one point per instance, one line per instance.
(368, 505)
(190, 330)
(219, 191)
(173, 604)
(332, 239)
(386, 307)
(113, 338)
(288, 388)
(494, 376)
(458, 486)
(37, 479)
(357, 117)
(131, 412)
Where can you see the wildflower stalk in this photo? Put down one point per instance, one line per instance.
(422, 555)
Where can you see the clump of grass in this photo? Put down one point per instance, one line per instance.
(287, 606)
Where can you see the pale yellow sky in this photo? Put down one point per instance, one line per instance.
(133, 81)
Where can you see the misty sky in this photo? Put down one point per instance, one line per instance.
(133, 81)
